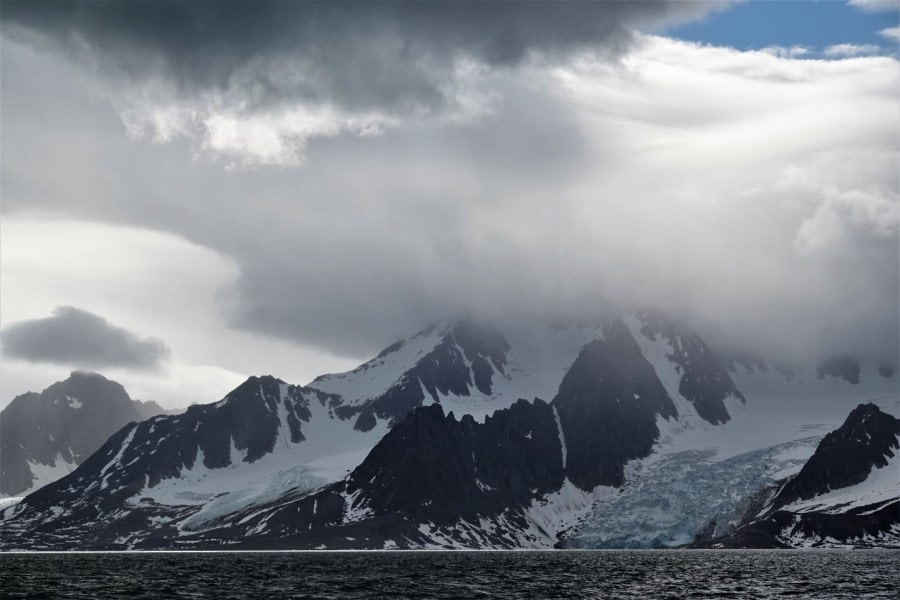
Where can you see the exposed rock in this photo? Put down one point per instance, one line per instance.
(58, 428)
(608, 404)
(844, 458)
(847, 455)
(705, 381)
(465, 360)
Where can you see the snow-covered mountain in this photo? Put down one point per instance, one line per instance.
(626, 433)
(701, 480)
(848, 492)
(44, 436)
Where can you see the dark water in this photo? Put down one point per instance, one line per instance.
(605, 574)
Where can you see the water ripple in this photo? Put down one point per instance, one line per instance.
(557, 574)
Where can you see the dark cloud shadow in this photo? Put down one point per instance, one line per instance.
(72, 336)
(397, 57)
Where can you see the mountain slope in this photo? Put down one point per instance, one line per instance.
(702, 479)
(45, 436)
(701, 375)
(190, 469)
(263, 465)
(847, 493)
(626, 454)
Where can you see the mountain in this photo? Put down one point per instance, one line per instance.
(629, 432)
(701, 481)
(269, 442)
(847, 493)
(45, 436)
(460, 358)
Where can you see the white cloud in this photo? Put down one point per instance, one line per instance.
(840, 212)
(787, 52)
(851, 50)
(270, 138)
(891, 33)
(757, 185)
(874, 5)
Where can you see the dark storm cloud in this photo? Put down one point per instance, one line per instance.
(621, 183)
(392, 57)
(76, 337)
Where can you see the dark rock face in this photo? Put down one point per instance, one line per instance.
(431, 467)
(608, 403)
(466, 357)
(845, 367)
(705, 381)
(68, 421)
(847, 455)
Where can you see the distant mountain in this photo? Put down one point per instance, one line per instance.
(45, 436)
(238, 470)
(629, 432)
(847, 493)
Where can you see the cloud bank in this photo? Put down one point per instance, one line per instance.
(750, 192)
(253, 82)
(72, 336)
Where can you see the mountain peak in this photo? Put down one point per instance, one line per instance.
(82, 375)
(45, 435)
(846, 456)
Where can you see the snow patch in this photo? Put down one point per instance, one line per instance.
(44, 474)
(374, 378)
(562, 438)
(353, 509)
(564, 510)
(9, 502)
(116, 460)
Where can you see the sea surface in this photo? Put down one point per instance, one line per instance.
(552, 574)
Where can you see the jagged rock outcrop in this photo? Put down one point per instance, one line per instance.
(433, 468)
(704, 381)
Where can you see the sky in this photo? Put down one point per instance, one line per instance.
(196, 192)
